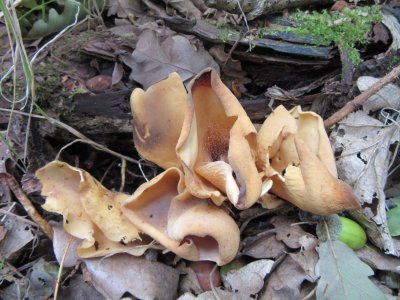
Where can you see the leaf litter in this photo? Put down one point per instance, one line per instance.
(280, 253)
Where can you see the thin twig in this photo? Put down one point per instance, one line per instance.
(108, 170)
(360, 99)
(141, 171)
(310, 294)
(27, 204)
(22, 219)
(10, 208)
(229, 56)
(61, 268)
(244, 16)
(123, 171)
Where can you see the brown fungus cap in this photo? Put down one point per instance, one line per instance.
(190, 227)
(313, 188)
(218, 144)
(158, 115)
(91, 212)
(294, 152)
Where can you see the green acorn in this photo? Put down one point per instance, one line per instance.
(352, 234)
(344, 229)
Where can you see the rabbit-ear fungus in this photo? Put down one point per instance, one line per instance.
(310, 128)
(90, 211)
(276, 138)
(273, 131)
(311, 187)
(100, 246)
(188, 226)
(295, 153)
(158, 115)
(216, 128)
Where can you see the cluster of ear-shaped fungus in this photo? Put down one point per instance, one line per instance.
(211, 153)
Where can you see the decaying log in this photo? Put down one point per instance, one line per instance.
(283, 45)
(107, 118)
(255, 8)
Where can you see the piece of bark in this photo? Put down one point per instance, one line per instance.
(256, 8)
(211, 33)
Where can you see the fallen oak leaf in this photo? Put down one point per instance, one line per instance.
(154, 59)
(248, 280)
(284, 283)
(343, 275)
(364, 146)
(289, 232)
(113, 276)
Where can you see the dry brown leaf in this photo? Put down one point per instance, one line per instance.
(307, 260)
(18, 234)
(363, 145)
(284, 283)
(377, 260)
(61, 239)
(221, 293)
(113, 276)
(248, 280)
(125, 8)
(78, 288)
(117, 74)
(289, 232)
(265, 247)
(388, 96)
(154, 58)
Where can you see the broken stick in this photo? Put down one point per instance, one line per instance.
(360, 99)
(27, 204)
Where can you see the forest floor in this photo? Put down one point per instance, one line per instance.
(65, 110)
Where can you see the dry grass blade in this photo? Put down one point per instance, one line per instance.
(61, 268)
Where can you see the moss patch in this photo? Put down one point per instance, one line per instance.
(345, 29)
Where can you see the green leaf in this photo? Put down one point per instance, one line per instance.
(32, 4)
(334, 227)
(343, 275)
(393, 218)
(56, 22)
